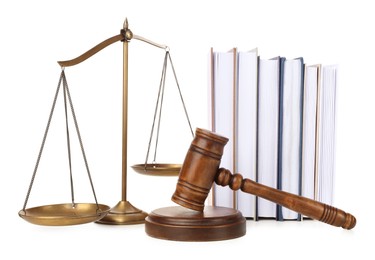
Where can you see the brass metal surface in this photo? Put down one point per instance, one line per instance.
(124, 120)
(123, 213)
(158, 169)
(140, 38)
(64, 214)
(127, 36)
(91, 52)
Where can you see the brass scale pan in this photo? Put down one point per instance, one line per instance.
(158, 169)
(64, 214)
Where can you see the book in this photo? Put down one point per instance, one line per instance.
(290, 131)
(326, 135)
(223, 94)
(279, 116)
(246, 126)
(268, 131)
(310, 130)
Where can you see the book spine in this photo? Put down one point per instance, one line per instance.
(279, 214)
(224, 97)
(211, 107)
(234, 122)
(299, 218)
(246, 126)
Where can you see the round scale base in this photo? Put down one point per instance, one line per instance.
(123, 213)
(182, 224)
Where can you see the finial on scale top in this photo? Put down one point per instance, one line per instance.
(128, 35)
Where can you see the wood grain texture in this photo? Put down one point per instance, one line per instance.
(182, 224)
(201, 168)
(305, 206)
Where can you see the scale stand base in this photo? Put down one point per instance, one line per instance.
(123, 213)
(182, 224)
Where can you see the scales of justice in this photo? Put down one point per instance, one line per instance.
(192, 220)
(123, 212)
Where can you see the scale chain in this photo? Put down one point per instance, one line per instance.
(160, 98)
(79, 138)
(63, 80)
(162, 82)
(68, 142)
(43, 141)
(160, 108)
(179, 90)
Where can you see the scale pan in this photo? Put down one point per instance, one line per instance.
(64, 214)
(158, 169)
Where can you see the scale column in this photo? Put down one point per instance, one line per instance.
(124, 212)
(125, 114)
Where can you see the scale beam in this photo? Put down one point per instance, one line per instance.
(140, 38)
(106, 43)
(91, 52)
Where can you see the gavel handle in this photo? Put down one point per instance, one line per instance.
(302, 205)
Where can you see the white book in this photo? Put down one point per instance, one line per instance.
(224, 116)
(247, 126)
(290, 143)
(327, 132)
(268, 129)
(309, 133)
(210, 108)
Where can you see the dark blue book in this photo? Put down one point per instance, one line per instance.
(290, 132)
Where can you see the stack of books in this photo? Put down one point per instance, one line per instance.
(279, 115)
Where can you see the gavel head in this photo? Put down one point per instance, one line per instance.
(199, 169)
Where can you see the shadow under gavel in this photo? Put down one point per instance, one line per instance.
(201, 168)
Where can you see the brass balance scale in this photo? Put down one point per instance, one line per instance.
(123, 212)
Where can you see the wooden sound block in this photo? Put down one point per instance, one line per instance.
(182, 224)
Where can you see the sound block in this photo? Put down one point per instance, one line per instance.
(182, 224)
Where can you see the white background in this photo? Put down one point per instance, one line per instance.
(36, 34)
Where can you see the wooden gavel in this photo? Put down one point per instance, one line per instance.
(201, 168)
